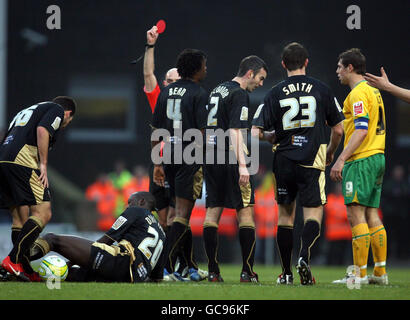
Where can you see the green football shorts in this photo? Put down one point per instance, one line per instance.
(362, 180)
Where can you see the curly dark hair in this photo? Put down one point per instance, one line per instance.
(189, 62)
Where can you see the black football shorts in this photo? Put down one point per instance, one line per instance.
(161, 194)
(291, 179)
(223, 189)
(108, 264)
(20, 186)
(185, 180)
(112, 263)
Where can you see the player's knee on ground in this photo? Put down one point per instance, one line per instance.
(51, 239)
(39, 249)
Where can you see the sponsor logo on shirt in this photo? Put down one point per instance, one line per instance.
(119, 222)
(56, 123)
(358, 108)
(299, 140)
(244, 114)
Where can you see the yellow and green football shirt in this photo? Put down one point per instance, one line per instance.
(363, 108)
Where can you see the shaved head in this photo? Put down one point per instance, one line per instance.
(142, 199)
(171, 76)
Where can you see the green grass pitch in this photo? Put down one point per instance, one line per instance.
(231, 289)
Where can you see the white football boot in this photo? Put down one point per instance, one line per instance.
(382, 280)
(363, 280)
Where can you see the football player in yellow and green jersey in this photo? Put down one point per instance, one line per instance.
(364, 109)
(360, 167)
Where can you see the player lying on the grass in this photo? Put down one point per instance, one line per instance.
(137, 256)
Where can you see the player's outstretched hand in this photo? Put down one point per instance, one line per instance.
(159, 175)
(378, 82)
(243, 175)
(152, 35)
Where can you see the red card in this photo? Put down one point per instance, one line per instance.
(161, 25)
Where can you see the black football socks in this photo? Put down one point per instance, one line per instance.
(247, 240)
(177, 232)
(188, 250)
(310, 233)
(26, 237)
(210, 236)
(284, 240)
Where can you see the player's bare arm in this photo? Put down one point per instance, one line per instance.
(43, 139)
(158, 174)
(336, 134)
(355, 141)
(150, 80)
(383, 83)
(269, 136)
(237, 143)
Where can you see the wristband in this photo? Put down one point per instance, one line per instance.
(149, 46)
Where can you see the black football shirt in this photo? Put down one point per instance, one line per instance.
(20, 143)
(228, 108)
(142, 230)
(298, 109)
(180, 106)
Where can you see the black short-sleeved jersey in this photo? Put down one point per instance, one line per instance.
(20, 143)
(298, 109)
(180, 106)
(142, 230)
(227, 109)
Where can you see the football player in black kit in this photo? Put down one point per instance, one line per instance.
(24, 183)
(137, 256)
(298, 109)
(180, 107)
(229, 185)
